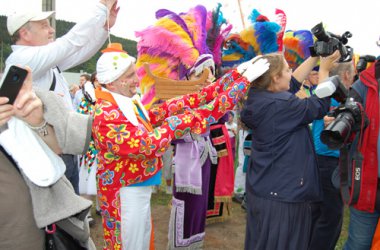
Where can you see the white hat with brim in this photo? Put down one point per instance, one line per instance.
(16, 20)
(111, 65)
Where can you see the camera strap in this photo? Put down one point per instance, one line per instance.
(350, 194)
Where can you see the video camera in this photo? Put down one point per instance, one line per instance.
(327, 43)
(363, 61)
(349, 117)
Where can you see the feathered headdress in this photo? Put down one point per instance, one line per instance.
(216, 34)
(262, 37)
(296, 46)
(175, 46)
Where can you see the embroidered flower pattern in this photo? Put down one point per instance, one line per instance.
(100, 106)
(112, 115)
(130, 154)
(134, 143)
(134, 181)
(176, 108)
(159, 113)
(173, 121)
(164, 144)
(157, 133)
(111, 154)
(223, 104)
(118, 132)
(133, 167)
(150, 166)
(119, 165)
(191, 101)
(107, 177)
(138, 157)
(187, 119)
(147, 146)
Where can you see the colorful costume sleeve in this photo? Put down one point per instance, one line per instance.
(205, 96)
(132, 152)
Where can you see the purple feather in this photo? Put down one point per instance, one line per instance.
(173, 16)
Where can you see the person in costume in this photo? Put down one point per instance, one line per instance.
(130, 143)
(88, 161)
(201, 33)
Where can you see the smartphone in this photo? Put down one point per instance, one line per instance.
(12, 81)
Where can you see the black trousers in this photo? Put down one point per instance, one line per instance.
(327, 215)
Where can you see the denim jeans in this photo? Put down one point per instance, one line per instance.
(72, 170)
(361, 229)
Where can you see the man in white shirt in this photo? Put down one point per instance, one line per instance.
(34, 45)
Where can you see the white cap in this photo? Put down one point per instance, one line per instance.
(111, 65)
(16, 20)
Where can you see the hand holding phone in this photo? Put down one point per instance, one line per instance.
(12, 81)
(23, 103)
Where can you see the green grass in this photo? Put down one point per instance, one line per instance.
(160, 198)
(344, 233)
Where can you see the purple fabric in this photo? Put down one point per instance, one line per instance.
(187, 172)
(195, 208)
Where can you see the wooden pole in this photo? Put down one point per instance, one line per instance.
(241, 14)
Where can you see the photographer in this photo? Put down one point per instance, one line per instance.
(364, 214)
(328, 214)
(282, 177)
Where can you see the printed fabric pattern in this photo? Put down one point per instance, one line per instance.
(131, 154)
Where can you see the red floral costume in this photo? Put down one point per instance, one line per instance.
(131, 154)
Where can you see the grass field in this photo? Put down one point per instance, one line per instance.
(160, 210)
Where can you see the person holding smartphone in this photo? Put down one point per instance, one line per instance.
(34, 45)
(25, 207)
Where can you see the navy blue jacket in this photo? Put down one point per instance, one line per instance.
(283, 162)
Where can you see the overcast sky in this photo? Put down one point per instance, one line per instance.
(361, 18)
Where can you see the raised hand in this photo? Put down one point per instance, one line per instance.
(255, 69)
(113, 10)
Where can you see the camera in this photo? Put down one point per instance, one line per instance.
(327, 43)
(349, 118)
(363, 61)
(332, 87)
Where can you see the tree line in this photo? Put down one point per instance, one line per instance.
(62, 27)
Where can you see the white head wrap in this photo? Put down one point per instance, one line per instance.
(111, 65)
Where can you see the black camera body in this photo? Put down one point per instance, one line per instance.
(327, 43)
(349, 118)
(363, 61)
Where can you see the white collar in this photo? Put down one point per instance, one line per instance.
(126, 106)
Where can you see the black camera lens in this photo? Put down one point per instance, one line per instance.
(336, 133)
(320, 33)
(15, 77)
